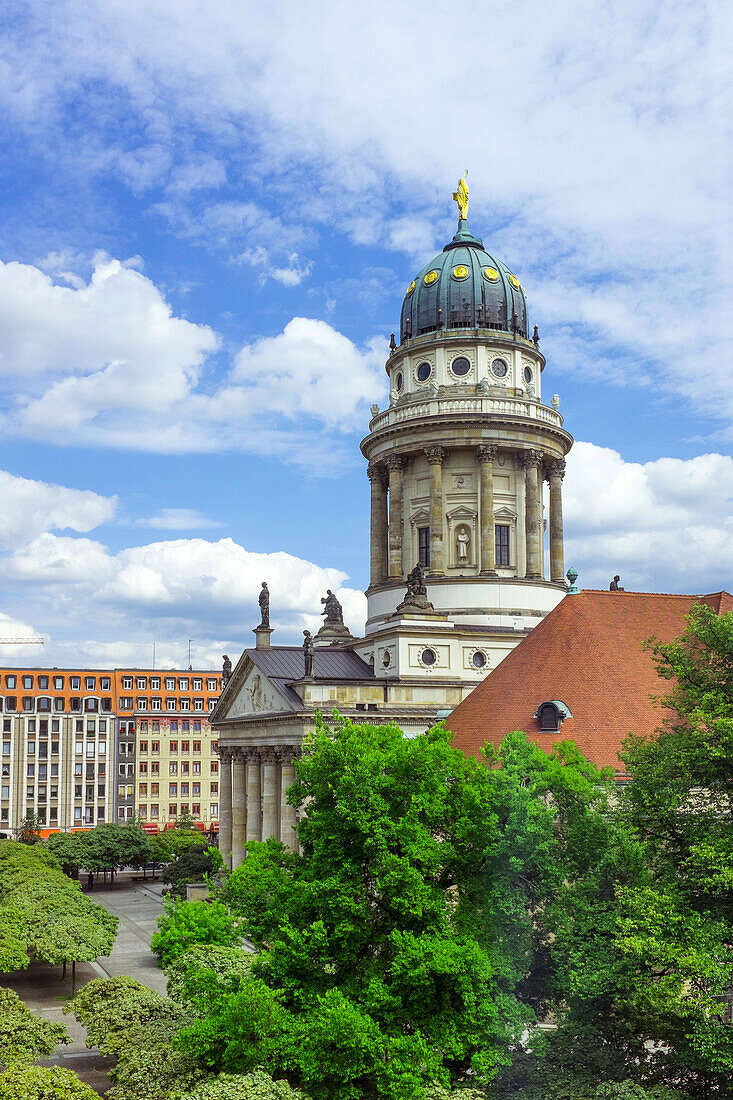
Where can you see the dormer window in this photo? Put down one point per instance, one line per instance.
(550, 714)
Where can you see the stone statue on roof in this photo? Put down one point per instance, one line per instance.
(333, 610)
(417, 592)
(226, 670)
(264, 602)
(613, 586)
(308, 652)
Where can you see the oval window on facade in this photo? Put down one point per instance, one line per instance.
(491, 274)
(527, 375)
(386, 658)
(499, 368)
(478, 660)
(430, 278)
(410, 289)
(424, 371)
(460, 272)
(428, 657)
(460, 366)
(398, 380)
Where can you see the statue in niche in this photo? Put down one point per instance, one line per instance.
(256, 693)
(264, 602)
(226, 670)
(308, 652)
(333, 610)
(463, 542)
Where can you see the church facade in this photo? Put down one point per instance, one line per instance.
(465, 559)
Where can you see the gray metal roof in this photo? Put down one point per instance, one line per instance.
(282, 664)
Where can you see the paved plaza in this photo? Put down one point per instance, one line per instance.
(137, 904)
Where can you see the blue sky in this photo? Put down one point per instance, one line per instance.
(210, 215)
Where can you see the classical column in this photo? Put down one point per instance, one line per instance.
(555, 474)
(288, 820)
(531, 461)
(378, 479)
(225, 805)
(436, 457)
(270, 795)
(395, 464)
(486, 455)
(254, 804)
(239, 807)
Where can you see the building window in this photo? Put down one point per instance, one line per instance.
(58, 683)
(173, 789)
(141, 683)
(156, 703)
(10, 681)
(183, 683)
(502, 543)
(423, 546)
(211, 685)
(198, 685)
(550, 714)
(75, 683)
(127, 683)
(172, 809)
(170, 683)
(170, 704)
(90, 683)
(105, 683)
(214, 809)
(143, 769)
(155, 683)
(153, 809)
(198, 704)
(428, 657)
(142, 703)
(174, 746)
(27, 682)
(43, 683)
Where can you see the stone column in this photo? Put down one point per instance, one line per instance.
(239, 807)
(225, 805)
(531, 461)
(270, 795)
(436, 457)
(486, 455)
(254, 802)
(288, 819)
(378, 533)
(556, 472)
(395, 464)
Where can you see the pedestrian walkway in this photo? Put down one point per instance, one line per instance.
(138, 905)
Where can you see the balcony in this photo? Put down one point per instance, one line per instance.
(445, 404)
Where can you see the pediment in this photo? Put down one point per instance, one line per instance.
(250, 693)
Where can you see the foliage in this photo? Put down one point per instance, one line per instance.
(184, 923)
(108, 847)
(29, 830)
(192, 865)
(23, 1035)
(249, 1086)
(68, 850)
(44, 914)
(127, 1019)
(207, 967)
(172, 843)
(34, 1083)
(404, 946)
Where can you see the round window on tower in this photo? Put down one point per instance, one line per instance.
(499, 368)
(478, 659)
(424, 371)
(527, 375)
(386, 658)
(428, 657)
(398, 381)
(460, 366)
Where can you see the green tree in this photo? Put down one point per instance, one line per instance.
(29, 830)
(43, 914)
(207, 967)
(192, 865)
(381, 966)
(185, 923)
(24, 1036)
(34, 1083)
(69, 850)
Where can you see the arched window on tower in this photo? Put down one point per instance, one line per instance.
(551, 714)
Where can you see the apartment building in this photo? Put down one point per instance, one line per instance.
(166, 756)
(57, 746)
(84, 746)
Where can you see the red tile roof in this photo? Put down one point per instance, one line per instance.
(587, 653)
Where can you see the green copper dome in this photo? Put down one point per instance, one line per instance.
(464, 287)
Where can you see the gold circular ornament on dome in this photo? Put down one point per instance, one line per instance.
(460, 272)
(410, 289)
(514, 281)
(430, 278)
(491, 274)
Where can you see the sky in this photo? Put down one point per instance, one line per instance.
(210, 213)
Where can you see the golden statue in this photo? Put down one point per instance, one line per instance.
(461, 196)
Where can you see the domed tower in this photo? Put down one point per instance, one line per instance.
(458, 465)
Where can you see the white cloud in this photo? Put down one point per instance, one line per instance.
(29, 508)
(178, 519)
(107, 363)
(292, 274)
(166, 591)
(12, 631)
(665, 525)
(623, 107)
